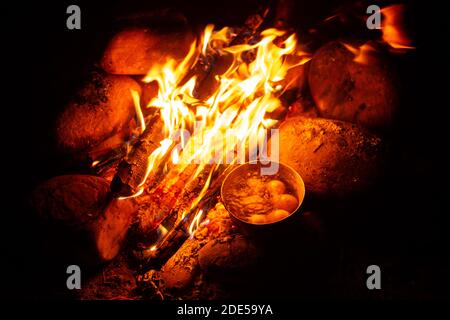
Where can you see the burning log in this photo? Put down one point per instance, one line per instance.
(355, 88)
(102, 109)
(134, 51)
(334, 158)
(176, 191)
(96, 225)
(183, 228)
(214, 251)
(132, 170)
(182, 270)
(212, 64)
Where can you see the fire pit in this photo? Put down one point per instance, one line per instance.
(176, 111)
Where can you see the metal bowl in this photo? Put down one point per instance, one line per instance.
(284, 173)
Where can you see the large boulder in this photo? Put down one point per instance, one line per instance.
(353, 88)
(91, 226)
(334, 158)
(135, 50)
(102, 109)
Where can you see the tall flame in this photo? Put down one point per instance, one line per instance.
(137, 107)
(234, 111)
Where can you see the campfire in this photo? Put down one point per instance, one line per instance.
(167, 115)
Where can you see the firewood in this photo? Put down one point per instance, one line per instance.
(134, 51)
(334, 158)
(96, 225)
(132, 169)
(211, 64)
(181, 271)
(297, 77)
(170, 195)
(107, 150)
(101, 109)
(347, 90)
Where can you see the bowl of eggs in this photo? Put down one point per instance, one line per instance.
(258, 202)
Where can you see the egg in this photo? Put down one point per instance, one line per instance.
(285, 202)
(277, 215)
(276, 187)
(257, 218)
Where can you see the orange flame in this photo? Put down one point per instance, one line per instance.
(231, 117)
(137, 194)
(195, 223)
(393, 33)
(137, 107)
(362, 54)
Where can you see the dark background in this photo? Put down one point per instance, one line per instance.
(404, 229)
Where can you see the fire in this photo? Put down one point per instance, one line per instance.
(233, 112)
(205, 128)
(95, 163)
(245, 92)
(362, 54)
(393, 34)
(137, 107)
(195, 222)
